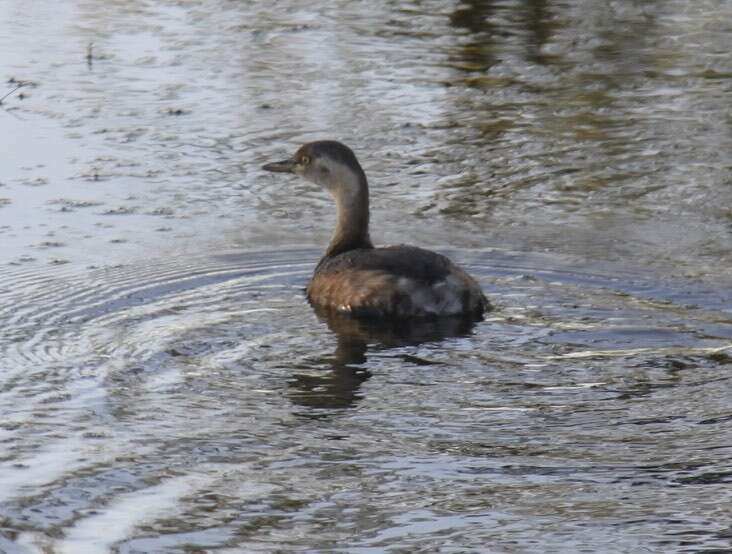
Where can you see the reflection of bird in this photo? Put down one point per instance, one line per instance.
(340, 387)
(354, 277)
(387, 333)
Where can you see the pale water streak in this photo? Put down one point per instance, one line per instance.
(97, 533)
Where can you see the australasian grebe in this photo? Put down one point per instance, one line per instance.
(354, 277)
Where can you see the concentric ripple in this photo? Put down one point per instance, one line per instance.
(208, 391)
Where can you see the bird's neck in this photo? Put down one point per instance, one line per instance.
(352, 226)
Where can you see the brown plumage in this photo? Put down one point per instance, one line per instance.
(354, 277)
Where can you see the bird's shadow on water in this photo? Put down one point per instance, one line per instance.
(337, 381)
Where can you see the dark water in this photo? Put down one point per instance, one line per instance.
(164, 387)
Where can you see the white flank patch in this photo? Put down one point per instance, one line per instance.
(444, 297)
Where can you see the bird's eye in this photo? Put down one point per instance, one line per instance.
(305, 160)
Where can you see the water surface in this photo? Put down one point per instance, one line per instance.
(166, 388)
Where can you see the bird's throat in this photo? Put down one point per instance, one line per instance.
(352, 225)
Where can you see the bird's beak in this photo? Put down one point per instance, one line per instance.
(285, 166)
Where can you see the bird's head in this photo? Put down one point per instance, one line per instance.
(325, 162)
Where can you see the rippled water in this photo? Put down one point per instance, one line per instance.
(165, 387)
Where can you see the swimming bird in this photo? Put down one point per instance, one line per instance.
(354, 277)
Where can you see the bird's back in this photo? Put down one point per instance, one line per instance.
(395, 281)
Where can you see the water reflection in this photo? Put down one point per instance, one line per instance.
(477, 53)
(490, 28)
(339, 385)
(538, 22)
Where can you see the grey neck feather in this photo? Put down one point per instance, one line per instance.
(351, 193)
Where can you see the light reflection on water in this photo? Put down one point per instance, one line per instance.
(165, 388)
